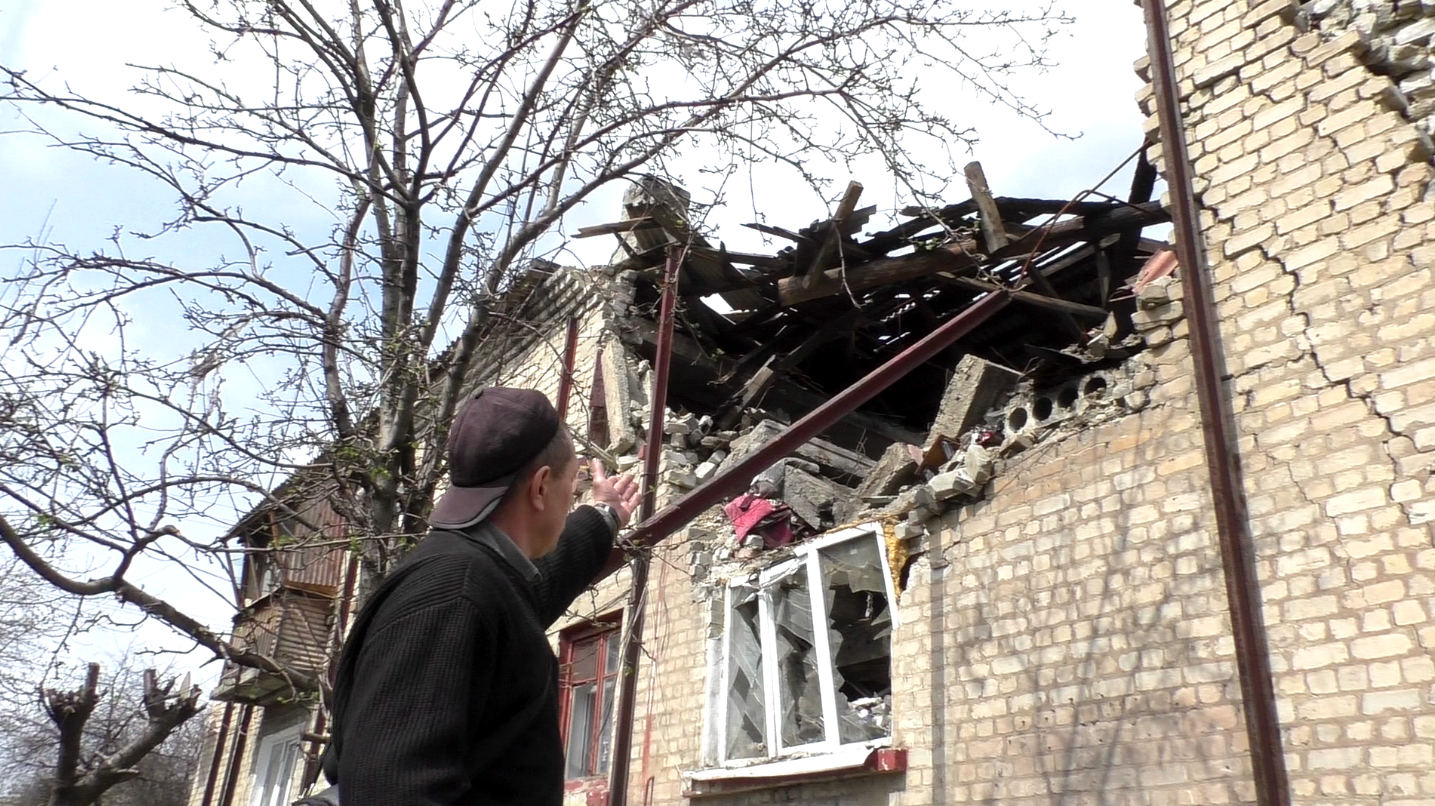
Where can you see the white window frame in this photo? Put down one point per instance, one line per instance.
(290, 741)
(806, 555)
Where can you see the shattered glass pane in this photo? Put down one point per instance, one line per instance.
(746, 709)
(799, 687)
(860, 638)
(605, 728)
(580, 730)
(584, 661)
(614, 643)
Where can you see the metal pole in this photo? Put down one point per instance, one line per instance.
(633, 643)
(1219, 428)
(698, 500)
(570, 358)
(217, 760)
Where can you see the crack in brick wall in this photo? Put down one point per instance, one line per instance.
(1315, 190)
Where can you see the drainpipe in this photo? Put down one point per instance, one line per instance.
(1218, 426)
(217, 760)
(633, 643)
(236, 757)
(570, 358)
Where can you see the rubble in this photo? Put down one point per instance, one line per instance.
(973, 390)
(891, 473)
(805, 323)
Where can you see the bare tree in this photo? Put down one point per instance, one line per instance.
(74, 745)
(144, 400)
(28, 627)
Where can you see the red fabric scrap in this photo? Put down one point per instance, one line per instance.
(750, 513)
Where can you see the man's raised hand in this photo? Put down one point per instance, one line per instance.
(621, 493)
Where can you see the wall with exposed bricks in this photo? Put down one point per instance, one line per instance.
(1315, 189)
(1066, 639)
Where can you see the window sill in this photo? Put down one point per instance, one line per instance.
(850, 762)
(586, 791)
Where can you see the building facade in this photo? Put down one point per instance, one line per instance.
(1018, 597)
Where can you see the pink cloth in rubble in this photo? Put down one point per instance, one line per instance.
(748, 513)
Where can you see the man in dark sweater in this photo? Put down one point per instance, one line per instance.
(447, 688)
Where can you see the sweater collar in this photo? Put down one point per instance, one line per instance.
(495, 538)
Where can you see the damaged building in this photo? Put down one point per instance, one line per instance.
(942, 514)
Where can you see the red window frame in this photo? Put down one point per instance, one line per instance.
(603, 636)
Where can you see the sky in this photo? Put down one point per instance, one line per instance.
(68, 198)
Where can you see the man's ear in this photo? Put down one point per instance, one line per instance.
(538, 487)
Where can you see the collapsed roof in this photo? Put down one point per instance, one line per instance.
(835, 303)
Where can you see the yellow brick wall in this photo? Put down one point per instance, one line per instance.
(1320, 231)
(1064, 641)
(1067, 640)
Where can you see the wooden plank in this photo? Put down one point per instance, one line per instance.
(883, 271)
(1087, 228)
(1073, 327)
(859, 219)
(779, 232)
(747, 259)
(1030, 298)
(1010, 205)
(954, 257)
(813, 275)
(618, 227)
(991, 219)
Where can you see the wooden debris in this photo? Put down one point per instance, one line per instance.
(619, 227)
(991, 218)
(845, 208)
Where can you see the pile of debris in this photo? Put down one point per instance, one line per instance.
(796, 327)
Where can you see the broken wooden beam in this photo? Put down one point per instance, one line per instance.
(1087, 228)
(1010, 205)
(957, 257)
(768, 229)
(1042, 282)
(618, 227)
(1038, 300)
(746, 258)
(883, 271)
(990, 217)
(813, 275)
(777, 366)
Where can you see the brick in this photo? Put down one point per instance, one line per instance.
(1380, 646)
(1374, 188)
(1377, 703)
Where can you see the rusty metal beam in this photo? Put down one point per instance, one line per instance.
(217, 760)
(633, 639)
(1223, 460)
(570, 359)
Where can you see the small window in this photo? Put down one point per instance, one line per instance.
(276, 761)
(806, 662)
(588, 687)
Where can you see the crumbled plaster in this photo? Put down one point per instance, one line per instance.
(1028, 416)
(1396, 41)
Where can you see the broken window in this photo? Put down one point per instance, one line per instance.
(807, 652)
(746, 712)
(587, 679)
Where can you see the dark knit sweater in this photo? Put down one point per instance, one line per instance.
(447, 688)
